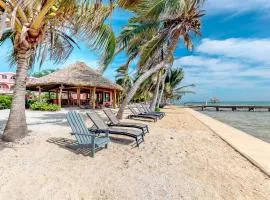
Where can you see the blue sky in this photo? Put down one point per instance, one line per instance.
(231, 59)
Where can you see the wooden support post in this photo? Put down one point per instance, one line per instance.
(60, 96)
(39, 93)
(202, 108)
(78, 96)
(57, 96)
(68, 96)
(217, 108)
(90, 97)
(118, 100)
(94, 98)
(114, 99)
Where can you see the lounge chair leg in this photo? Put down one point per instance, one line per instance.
(93, 151)
(137, 142)
(144, 131)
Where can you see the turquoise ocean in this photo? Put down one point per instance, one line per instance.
(255, 123)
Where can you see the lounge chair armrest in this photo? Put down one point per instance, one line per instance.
(88, 134)
(100, 131)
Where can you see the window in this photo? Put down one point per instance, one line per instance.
(1, 87)
(12, 77)
(99, 98)
(107, 97)
(4, 76)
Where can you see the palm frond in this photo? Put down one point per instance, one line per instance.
(8, 34)
(151, 48)
(151, 10)
(129, 4)
(104, 40)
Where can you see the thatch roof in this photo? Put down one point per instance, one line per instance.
(77, 74)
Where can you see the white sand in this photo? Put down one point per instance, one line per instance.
(180, 159)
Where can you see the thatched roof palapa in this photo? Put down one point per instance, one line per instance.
(78, 75)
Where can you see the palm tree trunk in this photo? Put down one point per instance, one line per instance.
(136, 86)
(162, 89)
(16, 127)
(155, 97)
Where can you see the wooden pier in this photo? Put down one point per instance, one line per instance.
(234, 107)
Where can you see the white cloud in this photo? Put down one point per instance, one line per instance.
(254, 50)
(215, 7)
(262, 72)
(211, 64)
(231, 63)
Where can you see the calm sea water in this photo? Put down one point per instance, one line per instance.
(254, 123)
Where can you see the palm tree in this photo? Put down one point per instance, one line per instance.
(145, 92)
(43, 72)
(160, 94)
(172, 89)
(153, 35)
(124, 79)
(47, 28)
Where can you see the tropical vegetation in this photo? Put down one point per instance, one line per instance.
(44, 106)
(50, 29)
(5, 101)
(152, 35)
(47, 29)
(173, 89)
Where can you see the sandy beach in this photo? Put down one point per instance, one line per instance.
(180, 159)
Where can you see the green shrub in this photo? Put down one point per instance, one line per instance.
(157, 109)
(44, 106)
(5, 101)
(29, 102)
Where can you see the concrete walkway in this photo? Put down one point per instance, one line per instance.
(255, 150)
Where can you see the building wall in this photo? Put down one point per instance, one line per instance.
(7, 81)
(85, 96)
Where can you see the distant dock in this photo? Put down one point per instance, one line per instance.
(231, 107)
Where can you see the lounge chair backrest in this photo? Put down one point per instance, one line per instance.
(99, 123)
(134, 111)
(146, 108)
(111, 116)
(139, 107)
(78, 126)
(76, 122)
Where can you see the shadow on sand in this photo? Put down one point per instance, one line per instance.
(85, 150)
(72, 146)
(2, 145)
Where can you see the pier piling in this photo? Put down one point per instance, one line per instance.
(251, 109)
